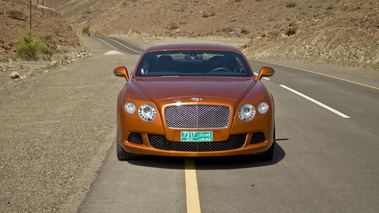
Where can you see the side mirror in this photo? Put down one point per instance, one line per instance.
(266, 72)
(121, 72)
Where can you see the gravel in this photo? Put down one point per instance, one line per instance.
(57, 127)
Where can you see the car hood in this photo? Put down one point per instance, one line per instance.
(184, 89)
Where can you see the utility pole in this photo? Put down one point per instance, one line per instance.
(30, 16)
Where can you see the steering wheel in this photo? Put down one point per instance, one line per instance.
(221, 69)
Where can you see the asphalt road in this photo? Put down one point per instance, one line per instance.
(120, 45)
(326, 158)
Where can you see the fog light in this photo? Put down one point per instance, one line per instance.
(262, 107)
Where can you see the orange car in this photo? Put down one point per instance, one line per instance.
(194, 100)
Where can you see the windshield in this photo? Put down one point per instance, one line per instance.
(193, 63)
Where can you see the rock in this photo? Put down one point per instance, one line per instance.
(83, 52)
(291, 31)
(24, 76)
(63, 62)
(14, 75)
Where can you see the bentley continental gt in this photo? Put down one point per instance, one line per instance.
(194, 100)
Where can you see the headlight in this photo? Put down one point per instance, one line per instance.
(246, 112)
(147, 112)
(130, 107)
(262, 107)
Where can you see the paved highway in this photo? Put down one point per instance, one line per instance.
(326, 158)
(120, 45)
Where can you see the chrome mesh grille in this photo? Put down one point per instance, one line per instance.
(135, 138)
(197, 116)
(258, 137)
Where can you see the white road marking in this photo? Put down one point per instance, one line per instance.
(263, 77)
(316, 102)
(314, 72)
(113, 52)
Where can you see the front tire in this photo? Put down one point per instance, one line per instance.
(269, 154)
(123, 155)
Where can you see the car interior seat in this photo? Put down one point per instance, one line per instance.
(165, 63)
(217, 61)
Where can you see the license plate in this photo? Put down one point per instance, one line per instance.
(196, 136)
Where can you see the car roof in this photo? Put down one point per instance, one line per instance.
(213, 47)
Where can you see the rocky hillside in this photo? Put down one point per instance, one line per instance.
(344, 32)
(47, 23)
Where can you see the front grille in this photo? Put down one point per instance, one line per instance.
(160, 142)
(135, 138)
(258, 137)
(197, 116)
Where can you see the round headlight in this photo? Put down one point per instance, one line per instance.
(262, 107)
(147, 112)
(130, 107)
(246, 112)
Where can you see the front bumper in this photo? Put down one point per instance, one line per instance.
(156, 138)
(243, 144)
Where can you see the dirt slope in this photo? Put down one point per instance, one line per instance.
(54, 127)
(344, 32)
(15, 20)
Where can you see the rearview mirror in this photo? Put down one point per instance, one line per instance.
(265, 72)
(121, 72)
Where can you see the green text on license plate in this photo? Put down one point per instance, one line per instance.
(196, 136)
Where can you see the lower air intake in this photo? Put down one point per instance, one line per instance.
(160, 142)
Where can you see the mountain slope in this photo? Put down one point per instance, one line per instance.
(329, 31)
(15, 20)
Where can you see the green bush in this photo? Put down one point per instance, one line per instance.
(85, 30)
(58, 31)
(47, 37)
(227, 29)
(47, 51)
(172, 26)
(244, 30)
(291, 4)
(330, 7)
(206, 14)
(30, 48)
(15, 14)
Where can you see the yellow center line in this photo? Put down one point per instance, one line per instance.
(192, 193)
(330, 76)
